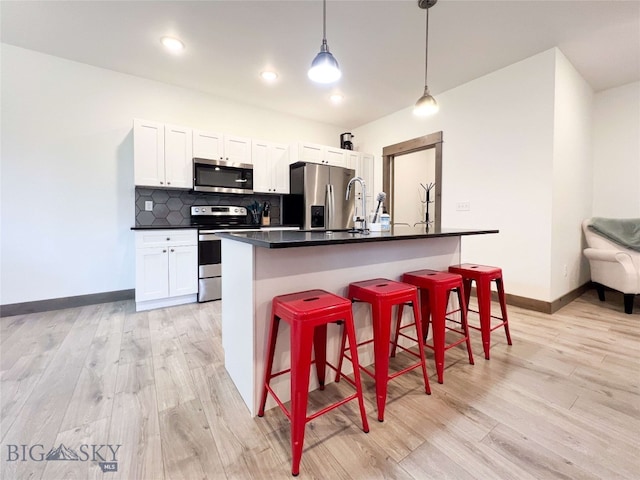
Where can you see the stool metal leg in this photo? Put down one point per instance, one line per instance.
(301, 342)
(320, 350)
(419, 335)
(438, 313)
(343, 346)
(484, 308)
(351, 333)
(381, 339)
(268, 368)
(425, 311)
(503, 308)
(465, 324)
(396, 337)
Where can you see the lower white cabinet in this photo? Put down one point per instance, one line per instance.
(166, 268)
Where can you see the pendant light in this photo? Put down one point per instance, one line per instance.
(324, 68)
(426, 104)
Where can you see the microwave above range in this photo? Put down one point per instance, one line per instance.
(219, 176)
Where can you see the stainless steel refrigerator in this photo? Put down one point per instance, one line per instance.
(317, 197)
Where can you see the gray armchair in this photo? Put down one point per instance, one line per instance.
(612, 265)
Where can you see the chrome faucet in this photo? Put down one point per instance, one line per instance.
(364, 229)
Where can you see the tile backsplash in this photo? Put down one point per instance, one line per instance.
(173, 207)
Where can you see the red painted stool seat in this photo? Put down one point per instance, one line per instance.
(435, 288)
(308, 314)
(382, 295)
(483, 275)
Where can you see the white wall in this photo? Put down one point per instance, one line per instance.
(572, 177)
(497, 155)
(616, 151)
(67, 167)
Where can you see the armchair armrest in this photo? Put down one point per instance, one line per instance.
(614, 269)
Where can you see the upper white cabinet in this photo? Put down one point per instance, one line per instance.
(208, 145)
(162, 155)
(218, 146)
(270, 167)
(335, 156)
(314, 153)
(362, 163)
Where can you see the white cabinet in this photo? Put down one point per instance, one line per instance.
(208, 145)
(314, 153)
(270, 167)
(362, 163)
(166, 268)
(237, 149)
(218, 146)
(335, 157)
(162, 155)
(365, 170)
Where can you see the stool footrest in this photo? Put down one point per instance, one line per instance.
(319, 412)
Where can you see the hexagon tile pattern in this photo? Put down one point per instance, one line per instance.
(173, 207)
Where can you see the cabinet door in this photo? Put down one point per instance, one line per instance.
(309, 152)
(237, 149)
(366, 172)
(183, 270)
(208, 145)
(261, 167)
(335, 157)
(178, 157)
(152, 273)
(148, 153)
(280, 168)
(353, 161)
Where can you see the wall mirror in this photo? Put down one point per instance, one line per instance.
(409, 168)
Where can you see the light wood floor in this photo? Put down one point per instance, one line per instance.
(562, 402)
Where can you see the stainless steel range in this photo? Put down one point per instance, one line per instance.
(211, 220)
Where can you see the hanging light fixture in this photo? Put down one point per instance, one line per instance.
(324, 68)
(426, 104)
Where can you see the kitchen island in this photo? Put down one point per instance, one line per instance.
(256, 266)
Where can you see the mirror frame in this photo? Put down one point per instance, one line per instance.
(391, 153)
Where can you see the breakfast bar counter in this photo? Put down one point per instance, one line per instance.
(256, 266)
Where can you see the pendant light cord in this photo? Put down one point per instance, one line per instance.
(426, 49)
(324, 21)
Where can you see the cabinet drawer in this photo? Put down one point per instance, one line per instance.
(154, 238)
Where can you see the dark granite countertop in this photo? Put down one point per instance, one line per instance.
(182, 227)
(162, 227)
(288, 239)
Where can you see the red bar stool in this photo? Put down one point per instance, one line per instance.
(382, 295)
(435, 288)
(483, 276)
(308, 314)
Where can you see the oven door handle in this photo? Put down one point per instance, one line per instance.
(208, 237)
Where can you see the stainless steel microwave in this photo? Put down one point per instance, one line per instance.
(222, 177)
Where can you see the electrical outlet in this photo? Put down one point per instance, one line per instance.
(463, 206)
(565, 270)
(148, 206)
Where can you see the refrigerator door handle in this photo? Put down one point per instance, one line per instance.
(329, 207)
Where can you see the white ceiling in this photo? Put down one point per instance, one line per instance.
(379, 44)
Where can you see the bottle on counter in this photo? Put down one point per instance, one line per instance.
(266, 218)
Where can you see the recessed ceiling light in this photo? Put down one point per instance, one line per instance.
(336, 98)
(269, 75)
(173, 44)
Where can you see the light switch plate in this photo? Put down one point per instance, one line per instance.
(463, 206)
(148, 206)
